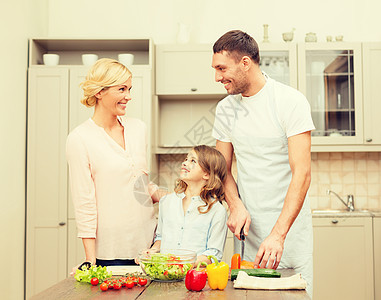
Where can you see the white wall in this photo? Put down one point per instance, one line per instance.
(356, 20)
(19, 20)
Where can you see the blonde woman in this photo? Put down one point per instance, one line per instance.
(108, 171)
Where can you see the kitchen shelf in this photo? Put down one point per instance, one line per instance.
(70, 50)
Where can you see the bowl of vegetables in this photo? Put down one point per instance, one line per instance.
(168, 266)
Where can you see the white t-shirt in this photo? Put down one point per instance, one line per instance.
(256, 115)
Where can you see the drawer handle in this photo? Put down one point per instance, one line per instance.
(369, 140)
(193, 89)
(62, 223)
(335, 221)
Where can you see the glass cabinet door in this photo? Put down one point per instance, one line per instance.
(279, 62)
(329, 78)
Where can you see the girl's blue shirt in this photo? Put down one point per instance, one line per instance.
(202, 233)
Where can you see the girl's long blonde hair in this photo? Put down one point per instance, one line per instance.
(212, 162)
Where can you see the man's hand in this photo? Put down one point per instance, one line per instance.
(238, 218)
(270, 252)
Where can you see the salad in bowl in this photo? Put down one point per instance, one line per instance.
(171, 265)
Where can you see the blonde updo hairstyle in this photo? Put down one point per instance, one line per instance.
(103, 74)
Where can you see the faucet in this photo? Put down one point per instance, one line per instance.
(350, 204)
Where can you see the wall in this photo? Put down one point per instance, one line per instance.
(356, 20)
(345, 173)
(19, 20)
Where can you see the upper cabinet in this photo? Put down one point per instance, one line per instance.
(279, 61)
(330, 78)
(185, 69)
(372, 96)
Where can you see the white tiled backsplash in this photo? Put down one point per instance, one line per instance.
(356, 173)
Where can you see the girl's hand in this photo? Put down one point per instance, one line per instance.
(147, 251)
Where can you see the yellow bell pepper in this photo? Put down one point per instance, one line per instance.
(218, 274)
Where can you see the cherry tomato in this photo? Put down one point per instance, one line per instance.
(130, 284)
(94, 281)
(117, 286)
(103, 286)
(142, 281)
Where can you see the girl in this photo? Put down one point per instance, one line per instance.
(107, 158)
(193, 217)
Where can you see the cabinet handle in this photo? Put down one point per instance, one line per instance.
(62, 223)
(369, 140)
(335, 221)
(193, 89)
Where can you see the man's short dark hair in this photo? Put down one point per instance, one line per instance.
(238, 44)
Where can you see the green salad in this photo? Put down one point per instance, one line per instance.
(166, 267)
(86, 274)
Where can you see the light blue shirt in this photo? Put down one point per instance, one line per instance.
(202, 233)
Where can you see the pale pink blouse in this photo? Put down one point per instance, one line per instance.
(109, 188)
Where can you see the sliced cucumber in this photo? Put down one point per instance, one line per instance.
(255, 272)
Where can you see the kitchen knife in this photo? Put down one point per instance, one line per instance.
(242, 237)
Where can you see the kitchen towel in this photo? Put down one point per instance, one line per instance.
(295, 282)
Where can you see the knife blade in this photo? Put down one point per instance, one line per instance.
(242, 237)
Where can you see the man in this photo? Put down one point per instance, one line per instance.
(267, 125)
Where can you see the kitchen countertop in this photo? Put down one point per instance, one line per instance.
(69, 288)
(320, 213)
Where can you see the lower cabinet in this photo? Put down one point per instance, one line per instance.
(377, 257)
(343, 258)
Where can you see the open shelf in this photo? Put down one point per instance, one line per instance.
(70, 50)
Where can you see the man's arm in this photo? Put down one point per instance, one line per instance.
(239, 216)
(299, 151)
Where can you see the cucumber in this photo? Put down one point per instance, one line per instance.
(255, 272)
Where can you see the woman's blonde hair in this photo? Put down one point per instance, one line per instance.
(104, 73)
(212, 162)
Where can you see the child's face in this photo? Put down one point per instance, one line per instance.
(191, 170)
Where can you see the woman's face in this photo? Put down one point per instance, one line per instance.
(114, 99)
(191, 170)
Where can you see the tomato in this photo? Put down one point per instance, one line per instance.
(165, 273)
(94, 281)
(103, 286)
(130, 284)
(117, 285)
(142, 281)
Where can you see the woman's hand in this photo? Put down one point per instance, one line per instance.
(74, 269)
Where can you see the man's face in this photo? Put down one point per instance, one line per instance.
(230, 73)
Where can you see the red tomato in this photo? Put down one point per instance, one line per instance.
(94, 281)
(130, 284)
(117, 286)
(103, 286)
(142, 281)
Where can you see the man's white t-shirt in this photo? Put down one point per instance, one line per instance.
(257, 117)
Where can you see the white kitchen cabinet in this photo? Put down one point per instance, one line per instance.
(54, 109)
(377, 256)
(330, 76)
(46, 179)
(371, 90)
(185, 69)
(343, 258)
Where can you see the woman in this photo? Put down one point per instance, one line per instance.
(108, 171)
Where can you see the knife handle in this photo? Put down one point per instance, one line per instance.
(242, 235)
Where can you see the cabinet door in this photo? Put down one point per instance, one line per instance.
(330, 77)
(185, 69)
(279, 61)
(377, 257)
(46, 178)
(372, 96)
(343, 258)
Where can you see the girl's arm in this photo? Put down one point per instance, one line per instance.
(203, 258)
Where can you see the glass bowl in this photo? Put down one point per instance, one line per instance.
(168, 266)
